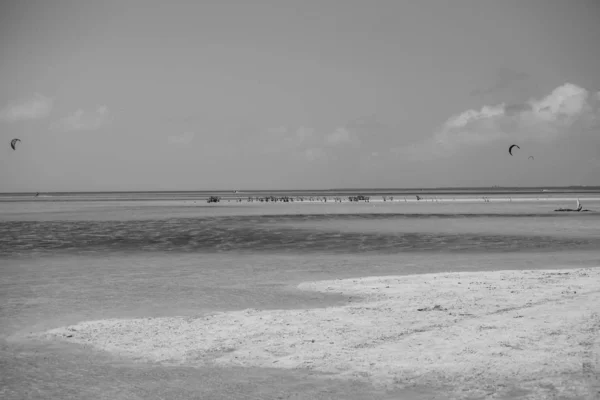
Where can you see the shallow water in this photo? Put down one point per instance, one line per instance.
(304, 234)
(63, 262)
(61, 253)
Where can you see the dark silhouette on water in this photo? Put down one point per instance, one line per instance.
(578, 209)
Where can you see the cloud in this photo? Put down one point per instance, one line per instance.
(282, 139)
(184, 138)
(340, 145)
(564, 102)
(513, 109)
(315, 154)
(561, 129)
(567, 110)
(341, 136)
(37, 107)
(85, 120)
(331, 146)
(301, 136)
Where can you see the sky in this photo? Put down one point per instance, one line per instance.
(153, 95)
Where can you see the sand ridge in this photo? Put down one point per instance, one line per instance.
(475, 331)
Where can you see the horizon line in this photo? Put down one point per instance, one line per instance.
(314, 190)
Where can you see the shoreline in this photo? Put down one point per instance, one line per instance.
(379, 199)
(162, 209)
(330, 199)
(468, 330)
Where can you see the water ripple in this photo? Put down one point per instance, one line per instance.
(256, 234)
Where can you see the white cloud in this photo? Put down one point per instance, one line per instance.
(563, 112)
(472, 116)
(184, 138)
(85, 120)
(37, 107)
(565, 101)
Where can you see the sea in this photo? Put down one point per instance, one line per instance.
(69, 257)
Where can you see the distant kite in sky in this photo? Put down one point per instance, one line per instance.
(13, 143)
(531, 158)
(511, 147)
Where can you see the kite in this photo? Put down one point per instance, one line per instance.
(531, 158)
(13, 143)
(511, 147)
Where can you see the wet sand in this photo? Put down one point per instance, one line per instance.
(477, 333)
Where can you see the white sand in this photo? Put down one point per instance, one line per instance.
(477, 332)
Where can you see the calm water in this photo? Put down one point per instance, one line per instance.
(304, 234)
(151, 223)
(102, 196)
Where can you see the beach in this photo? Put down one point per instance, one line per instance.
(169, 298)
(334, 200)
(476, 332)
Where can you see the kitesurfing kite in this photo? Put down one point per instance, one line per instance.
(511, 147)
(13, 143)
(531, 158)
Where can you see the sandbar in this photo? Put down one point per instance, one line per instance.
(474, 333)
